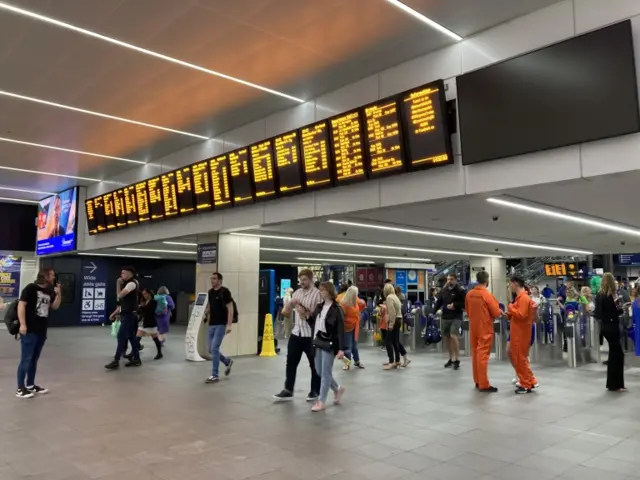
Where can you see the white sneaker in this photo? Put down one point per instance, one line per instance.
(517, 384)
(514, 382)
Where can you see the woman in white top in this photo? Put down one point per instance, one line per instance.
(394, 322)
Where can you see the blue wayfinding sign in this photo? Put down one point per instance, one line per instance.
(94, 292)
(401, 280)
(629, 259)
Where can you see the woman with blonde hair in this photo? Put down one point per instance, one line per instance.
(608, 308)
(394, 321)
(352, 307)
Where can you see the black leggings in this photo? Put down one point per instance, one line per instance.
(393, 343)
(615, 364)
(383, 334)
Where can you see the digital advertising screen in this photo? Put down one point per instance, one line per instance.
(169, 194)
(184, 186)
(347, 148)
(240, 177)
(142, 200)
(92, 225)
(288, 164)
(262, 170)
(156, 204)
(120, 211)
(383, 138)
(57, 223)
(98, 208)
(315, 156)
(130, 205)
(202, 193)
(220, 181)
(109, 211)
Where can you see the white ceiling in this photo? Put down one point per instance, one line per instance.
(301, 47)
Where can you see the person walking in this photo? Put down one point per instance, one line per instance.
(328, 340)
(304, 302)
(394, 321)
(148, 325)
(482, 308)
(521, 313)
(164, 306)
(608, 308)
(352, 307)
(220, 312)
(451, 303)
(36, 301)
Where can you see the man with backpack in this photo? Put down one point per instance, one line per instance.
(128, 291)
(222, 314)
(36, 300)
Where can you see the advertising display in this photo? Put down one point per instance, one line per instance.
(10, 276)
(57, 223)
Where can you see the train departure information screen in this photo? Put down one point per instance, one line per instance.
(118, 205)
(130, 205)
(142, 200)
(169, 194)
(423, 116)
(184, 185)
(156, 205)
(220, 181)
(201, 186)
(109, 211)
(315, 155)
(262, 167)
(384, 141)
(346, 132)
(240, 177)
(288, 164)
(92, 226)
(98, 208)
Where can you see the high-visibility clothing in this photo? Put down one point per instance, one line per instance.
(521, 314)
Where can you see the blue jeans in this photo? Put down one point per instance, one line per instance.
(31, 344)
(127, 334)
(351, 346)
(216, 335)
(324, 367)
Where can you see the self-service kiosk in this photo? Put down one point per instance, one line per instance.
(195, 342)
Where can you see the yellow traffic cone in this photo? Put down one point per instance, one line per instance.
(268, 345)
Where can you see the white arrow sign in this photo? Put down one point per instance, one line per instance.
(93, 267)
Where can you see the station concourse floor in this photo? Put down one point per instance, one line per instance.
(161, 422)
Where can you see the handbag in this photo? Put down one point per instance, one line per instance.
(323, 343)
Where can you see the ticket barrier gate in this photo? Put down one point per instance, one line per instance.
(579, 337)
(499, 339)
(547, 336)
(466, 339)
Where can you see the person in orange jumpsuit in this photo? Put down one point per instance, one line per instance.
(521, 313)
(482, 307)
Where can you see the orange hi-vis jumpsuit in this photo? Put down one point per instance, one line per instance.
(482, 307)
(521, 313)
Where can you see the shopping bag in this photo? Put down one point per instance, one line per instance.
(115, 328)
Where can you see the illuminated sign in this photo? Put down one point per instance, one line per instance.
(561, 269)
(220, 181)
(428, 142)
(184, 184)
(118, 204)
(288, 163)
(346, 146)
(384, 141)
(262, 168)
(142, 200)
(240, 177)
(169, 194)
(92, 226)
(130, 205)
(201, 186)
(98, 208)
(156, 205)
(109, 211)
(315, 155)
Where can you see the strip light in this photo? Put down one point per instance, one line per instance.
(460, 237)
(38, 172)
(287, 263)
(427, 20)
(575, 218)
(51, 147)
(365, 245)
(153, 250)
(11, 189)
(373, 255)
(335, 260)
(8, 199)
(98, 114)
(184, 244)
(120, 43)
(115, 255)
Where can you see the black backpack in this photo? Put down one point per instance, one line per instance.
(11, 319)
(235, 311)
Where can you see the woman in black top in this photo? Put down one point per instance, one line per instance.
(608, 309)
(148, 322)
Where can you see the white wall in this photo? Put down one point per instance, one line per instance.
(538, 29)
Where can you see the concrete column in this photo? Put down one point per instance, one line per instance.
(607, 262)
(497, 269)
(590, 262)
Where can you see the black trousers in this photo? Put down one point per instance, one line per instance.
(615, 364)
(393, 343)
(295, 348)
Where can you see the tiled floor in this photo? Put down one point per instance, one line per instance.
(161, 422)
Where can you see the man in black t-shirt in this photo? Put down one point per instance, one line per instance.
(220, 315)
(36, 300)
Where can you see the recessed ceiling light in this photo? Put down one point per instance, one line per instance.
(459, 237)
(22, 200)
(51, 147)
(120, 43)
(184, 244)
(154, 250)
(573, 217)
(373, 255)
(427, 20)
(116, 255)
(98, 114)
(335, 260)
(38, 172)
(366, 245)
(11, 189)
(288, 263)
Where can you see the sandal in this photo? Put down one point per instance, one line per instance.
(318, 407)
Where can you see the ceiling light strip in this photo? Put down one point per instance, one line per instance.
(336, 260)
(51, 147)
(22, 190)
(459, 237)
(366, 245)
(573, 217)
(116, 255)
(120, 43)
(38, 172)
(373, 255)
(288, 263)
(98, 114)
(22, 200)
(423, 18)
(154, 250)
(183, 244)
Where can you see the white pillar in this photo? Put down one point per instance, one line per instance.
(497, 270)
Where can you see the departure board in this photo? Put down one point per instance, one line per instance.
(262, 170)
(184, 185)
(169, 194)
(130, 205)
(383, 138)
(424, 116)
(156, 205)
(240, 177)
(220, 181)
(288, 165)
(92, 226)
(202, 186)
(98, 208)
(142, 200)
(118, 205)
(109, 211)
(315, 155)
(346, 146)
